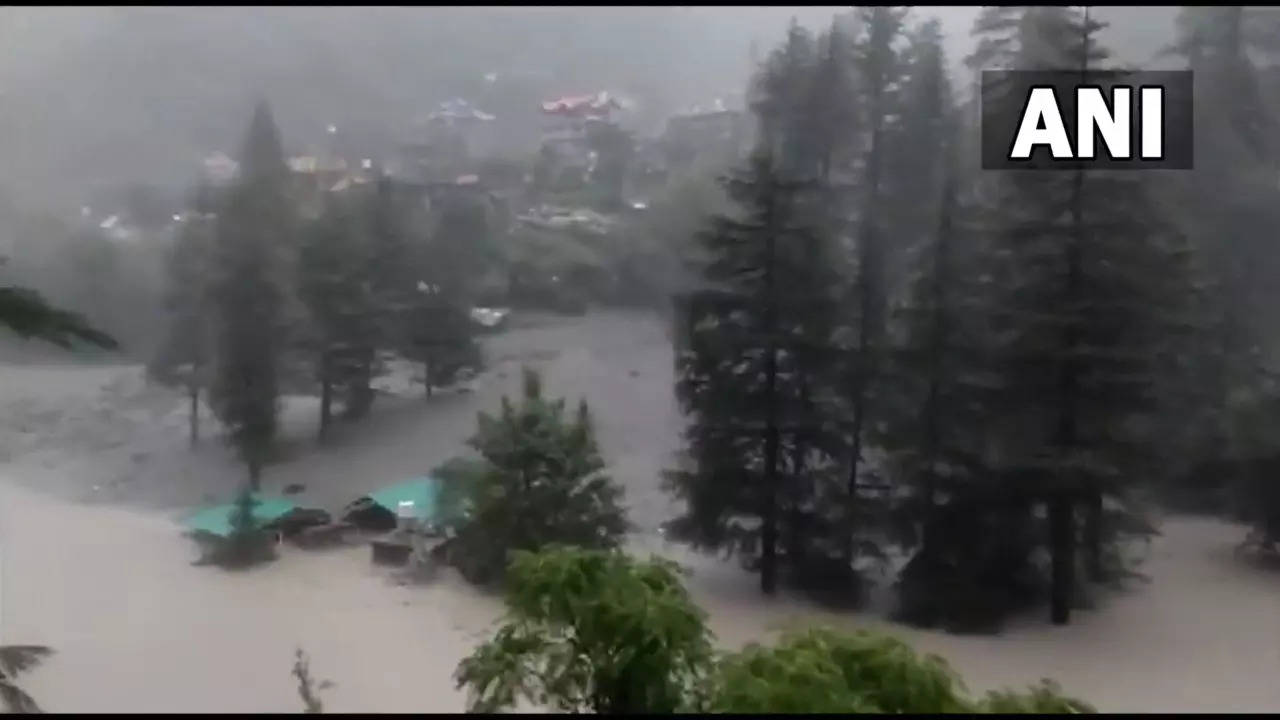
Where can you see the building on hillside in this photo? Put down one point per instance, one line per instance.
(446, 142)
(432, 195)
(566, 118)
(568, 122)
(700, 131)
(118, 230)
(648, 170)
(459, 121)
(315, 177)
(567, 158)
(312, 176)
(219, 169)
(568, 115)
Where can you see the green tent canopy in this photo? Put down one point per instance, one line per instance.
(423, 492)
(217, 520)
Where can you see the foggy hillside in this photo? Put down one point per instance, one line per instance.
(103, 95)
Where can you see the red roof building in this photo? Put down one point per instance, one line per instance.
(599, 105)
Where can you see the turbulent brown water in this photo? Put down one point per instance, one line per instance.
(137, 628)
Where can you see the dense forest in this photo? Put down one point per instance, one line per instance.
(997, 371)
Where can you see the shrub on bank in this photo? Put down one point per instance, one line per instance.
(598, 631)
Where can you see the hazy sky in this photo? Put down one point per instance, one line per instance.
(96, 96)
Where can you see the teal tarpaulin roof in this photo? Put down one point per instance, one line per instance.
(423, 492)
(217, 520)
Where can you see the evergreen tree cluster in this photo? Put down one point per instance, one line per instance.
(895, 358)
(265, 298)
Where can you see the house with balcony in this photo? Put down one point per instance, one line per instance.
(573, 132)
(567, 118)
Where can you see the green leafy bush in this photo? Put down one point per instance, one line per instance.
(598, 631)
(1043, 699)
(591, 631)
(822, 670)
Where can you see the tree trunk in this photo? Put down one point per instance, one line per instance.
(855, 463)
(255, 474)
(1062, 550)
(769, 509)
(326, 397)
(1093, 535)
(193, 393)
(795, 533)
(1062, 524)
(868, 311)
(359, 385)
(938, 342)
(769, 498)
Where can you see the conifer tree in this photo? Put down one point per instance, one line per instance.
(782, 98)
(186, 349)
(539, 481)
(383, 267)
(1090, 280)
(335, 286)
(936, 380)
(447, 266)
(764, 311)
(878, 68)
(1227, 204)
(252, 262)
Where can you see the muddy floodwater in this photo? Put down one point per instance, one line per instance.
(94, 468)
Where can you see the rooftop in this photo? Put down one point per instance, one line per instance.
(458, 109)
(601, 102)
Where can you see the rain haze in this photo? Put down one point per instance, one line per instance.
(289, 296)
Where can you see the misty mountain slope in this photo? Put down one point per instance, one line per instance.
(91, 92)
(103, 95)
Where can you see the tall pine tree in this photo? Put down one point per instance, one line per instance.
(937, 382)
(1228, 204)
(878, 68)
(763, 311)
(335, 286)
(447, 268)
(186, 350)
(252, 259)
(1090, 281)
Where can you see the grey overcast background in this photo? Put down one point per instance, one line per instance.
(103, 95)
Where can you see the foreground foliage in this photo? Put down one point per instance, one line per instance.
(252, 247)
(15, 660)
(28, 314)
(591, 631)
(821, 670)
(598, 631)
(308, 688)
